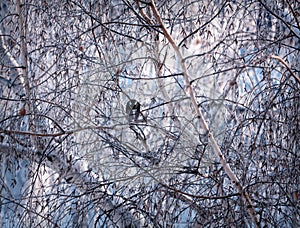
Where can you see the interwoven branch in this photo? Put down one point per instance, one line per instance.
(190, 92)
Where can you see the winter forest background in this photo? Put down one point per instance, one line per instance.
(216, 142)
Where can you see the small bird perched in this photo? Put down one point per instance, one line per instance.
(133, 110)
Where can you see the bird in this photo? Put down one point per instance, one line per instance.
(133, 110)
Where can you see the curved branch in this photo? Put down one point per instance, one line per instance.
(287, 67)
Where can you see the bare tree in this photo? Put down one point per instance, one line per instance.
(142, 113)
